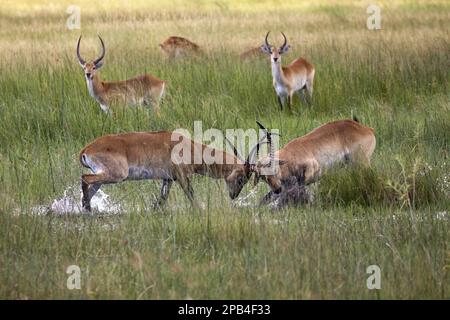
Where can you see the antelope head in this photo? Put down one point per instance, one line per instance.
(256, 168)
(90, 68)
(275, 53)
(241, 174)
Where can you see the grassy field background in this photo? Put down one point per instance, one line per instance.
(394, 215)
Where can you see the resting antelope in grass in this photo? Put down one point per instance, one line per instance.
(293, 78)
(303, 160)
(144, 89)
(149, 155)
(175, 47)
(252, 53)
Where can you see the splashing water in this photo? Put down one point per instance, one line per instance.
(70, 203)
(248, 200)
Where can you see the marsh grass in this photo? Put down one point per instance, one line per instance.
(393, 214)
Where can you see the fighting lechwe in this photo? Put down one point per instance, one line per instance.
(144, 89)
(164, 155)
(176, 47)
(296, 77)
(304, 159)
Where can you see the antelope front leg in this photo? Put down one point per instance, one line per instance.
(276, 187)
(104, 105)
(105, 108)
(310, 173)
(268, 197)
(280, 102)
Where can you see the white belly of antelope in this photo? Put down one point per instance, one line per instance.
(328, 160)
(280, 89)
(141, 173)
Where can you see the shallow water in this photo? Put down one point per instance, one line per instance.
(70, 203)
(248, 200)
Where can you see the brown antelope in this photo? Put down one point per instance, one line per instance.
(304, 159)
(149, 155)
(251, 54)
(293, 78)
(175, 47)
(144, 89)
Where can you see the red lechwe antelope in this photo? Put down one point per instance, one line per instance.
(293, 78)
(252, 53)
(148, 155)
(304, 159)
(175, 47)
(144, 89)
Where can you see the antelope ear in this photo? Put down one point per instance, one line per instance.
(285, 49)
(99, 64)
(265, 49)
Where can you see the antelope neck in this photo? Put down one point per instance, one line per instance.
(94, 86)
(277, 74)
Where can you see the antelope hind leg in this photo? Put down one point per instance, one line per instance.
(301, 95)
(90, 183)
(185, 184)
(165, 189)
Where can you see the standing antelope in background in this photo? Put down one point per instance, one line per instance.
(148, 155)
(144, 89)
(175, 47)
(293, 78)
(304, 159)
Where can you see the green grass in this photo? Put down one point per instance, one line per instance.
(395, 80)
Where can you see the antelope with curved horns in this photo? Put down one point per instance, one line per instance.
(303, 160)
(149, 155)
(296, 77)
(144, 89)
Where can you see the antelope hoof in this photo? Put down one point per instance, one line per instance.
(86, 206)
(158, 205)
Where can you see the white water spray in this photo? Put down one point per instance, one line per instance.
(70, 203)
